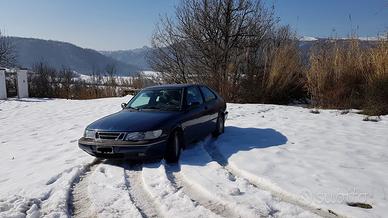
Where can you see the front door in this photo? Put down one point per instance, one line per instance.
(195, 115)
(211, 112)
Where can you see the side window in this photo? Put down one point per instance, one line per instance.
(169, 97)
(193, 95)
(207, 94)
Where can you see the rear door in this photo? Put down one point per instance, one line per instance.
(211, 109)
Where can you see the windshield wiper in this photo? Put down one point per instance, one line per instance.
(134, 108)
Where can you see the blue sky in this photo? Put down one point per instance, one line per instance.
(126, 24)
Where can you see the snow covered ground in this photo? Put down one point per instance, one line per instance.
(325, 159)
(278, 161)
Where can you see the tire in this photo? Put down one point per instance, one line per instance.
(174, 148)
(220, 126)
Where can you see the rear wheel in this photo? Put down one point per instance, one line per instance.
(220, 126)
(174, 148)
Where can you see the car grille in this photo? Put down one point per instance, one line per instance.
(110, 135)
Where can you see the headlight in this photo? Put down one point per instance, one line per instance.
(140, 136)
(90, 134)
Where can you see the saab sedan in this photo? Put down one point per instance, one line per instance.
(158, 122)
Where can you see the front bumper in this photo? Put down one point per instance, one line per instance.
(111, 149)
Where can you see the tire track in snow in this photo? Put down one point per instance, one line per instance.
(179, 182)
(137, 193)
(237, 194)
(216, 155)
(79, 204)
(171, 199)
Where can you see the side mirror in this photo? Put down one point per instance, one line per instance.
(123, 105)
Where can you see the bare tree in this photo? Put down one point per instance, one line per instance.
(169, 56)
(66, 76)
(215, 42)
(111, 71)
(7, 52)
(96, 81)
(43, 82)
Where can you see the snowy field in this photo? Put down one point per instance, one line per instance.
(151, 75)
(272, 161)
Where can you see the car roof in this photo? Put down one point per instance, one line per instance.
(170, 86)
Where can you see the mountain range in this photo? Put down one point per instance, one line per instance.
(137, 57)
(58, 54)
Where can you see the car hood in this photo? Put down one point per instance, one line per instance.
(132, 121)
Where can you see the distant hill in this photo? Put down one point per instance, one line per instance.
(62, 54)
(136, 57)
(306, 43)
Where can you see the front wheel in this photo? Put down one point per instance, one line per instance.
(174, 148)
(220, 126)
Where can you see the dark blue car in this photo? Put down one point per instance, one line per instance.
(157, 123)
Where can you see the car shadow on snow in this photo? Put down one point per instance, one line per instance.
(250, 138)
(233, 141)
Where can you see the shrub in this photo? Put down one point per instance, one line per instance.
(336, 74)
(344, 74)
(285, 78)
(376, 102)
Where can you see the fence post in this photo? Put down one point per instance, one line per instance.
(3, 88)
(22, 84)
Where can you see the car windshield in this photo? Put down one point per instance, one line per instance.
(157, 99)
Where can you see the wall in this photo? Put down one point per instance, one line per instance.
(22, 84)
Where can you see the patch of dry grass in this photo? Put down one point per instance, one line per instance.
(345, 74)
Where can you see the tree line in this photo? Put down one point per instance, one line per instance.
(48, 82)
